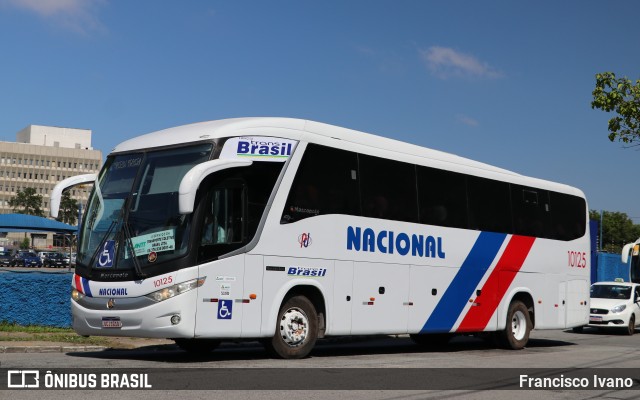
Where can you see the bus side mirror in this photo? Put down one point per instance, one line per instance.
(625, 252)
(56, 193)
(192, 179)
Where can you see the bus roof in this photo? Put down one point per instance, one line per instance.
(309, 131)
(289, 128)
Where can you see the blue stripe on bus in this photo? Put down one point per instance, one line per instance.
(461, 289)
(85, 287)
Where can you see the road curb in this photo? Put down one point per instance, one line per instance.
(50, 349)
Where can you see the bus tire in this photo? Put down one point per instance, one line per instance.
(516, 333)
(296, 329)
(197, 346)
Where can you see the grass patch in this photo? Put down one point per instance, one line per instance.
(6, 326)
(72, 339)
(12, 332)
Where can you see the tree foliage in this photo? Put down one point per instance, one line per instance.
(27, 201)
(68, 209)
(617, 230)
(623, 97)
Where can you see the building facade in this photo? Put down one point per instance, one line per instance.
(41, 157)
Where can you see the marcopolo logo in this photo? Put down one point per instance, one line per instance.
(390, 242)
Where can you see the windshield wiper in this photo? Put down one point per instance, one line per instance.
(134, 256)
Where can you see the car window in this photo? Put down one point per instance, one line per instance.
(610, 292)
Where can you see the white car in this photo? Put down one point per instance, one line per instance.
(615, 305)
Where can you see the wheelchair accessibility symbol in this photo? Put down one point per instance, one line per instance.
(106, 255)
(224, 309)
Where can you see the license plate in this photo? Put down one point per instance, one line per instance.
(111, 322)
(595, 319)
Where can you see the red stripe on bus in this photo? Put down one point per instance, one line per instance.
(497, 284)
(79, 287)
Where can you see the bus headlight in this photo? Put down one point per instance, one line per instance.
(76, 296)
(174, 290)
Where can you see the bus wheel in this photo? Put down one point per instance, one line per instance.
(296, 329)
(197, 345)
(516, 334)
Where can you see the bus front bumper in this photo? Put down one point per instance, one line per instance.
(135, 317)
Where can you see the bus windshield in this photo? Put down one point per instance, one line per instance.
(134, 209)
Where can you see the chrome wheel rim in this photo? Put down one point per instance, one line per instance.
(518, 325)
(294, 327)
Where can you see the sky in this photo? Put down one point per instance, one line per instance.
(507, 83)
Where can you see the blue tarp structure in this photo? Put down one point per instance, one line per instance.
(610, 268)
(31, 223)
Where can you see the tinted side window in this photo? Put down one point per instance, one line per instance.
(489, 205)
(233, 205)
(442, 198)
(531, 212)
(567, 216)
(388, 189)
(325, 183)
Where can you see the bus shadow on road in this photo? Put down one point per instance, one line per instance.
(333, 347)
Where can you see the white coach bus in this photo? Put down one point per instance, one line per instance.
(288, 230)
(631, 256)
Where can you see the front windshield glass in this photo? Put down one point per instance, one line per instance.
(134, 209)
(610, 292)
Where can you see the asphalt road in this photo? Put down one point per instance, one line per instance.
(465, 364)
